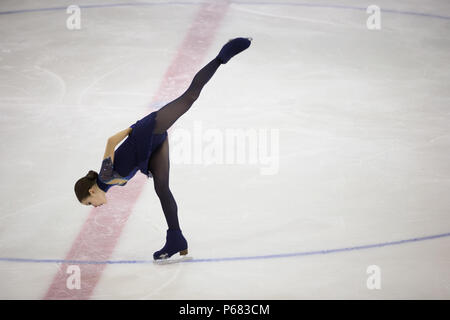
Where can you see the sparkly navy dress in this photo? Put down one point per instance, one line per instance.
(132, 155)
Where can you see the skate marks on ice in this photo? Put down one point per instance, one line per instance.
(173, 260)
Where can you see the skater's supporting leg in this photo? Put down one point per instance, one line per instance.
(168, 114)
(159, 167)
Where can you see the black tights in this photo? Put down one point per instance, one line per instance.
(159, 160)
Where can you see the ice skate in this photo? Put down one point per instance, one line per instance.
(232, 48)
(175, 243)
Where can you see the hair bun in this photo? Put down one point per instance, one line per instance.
(92, 175)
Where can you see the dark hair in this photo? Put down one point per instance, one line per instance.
(83, 185)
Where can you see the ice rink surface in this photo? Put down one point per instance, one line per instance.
(357, 123)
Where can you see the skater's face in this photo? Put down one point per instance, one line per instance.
(97, 197)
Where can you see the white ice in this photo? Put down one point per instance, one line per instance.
(364, 148)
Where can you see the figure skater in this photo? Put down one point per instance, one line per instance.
(146, 148)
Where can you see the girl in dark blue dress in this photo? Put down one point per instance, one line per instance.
(146, 149)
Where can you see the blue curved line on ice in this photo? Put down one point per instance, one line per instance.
(242, 258)
(311, 5)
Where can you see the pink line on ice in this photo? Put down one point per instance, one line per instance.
(102, 229)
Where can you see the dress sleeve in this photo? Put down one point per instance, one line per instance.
(106, 171)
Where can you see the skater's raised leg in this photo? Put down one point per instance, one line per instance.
(167, 115)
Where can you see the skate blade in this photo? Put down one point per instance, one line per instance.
(172, 260)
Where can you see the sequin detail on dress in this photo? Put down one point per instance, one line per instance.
(107, 173)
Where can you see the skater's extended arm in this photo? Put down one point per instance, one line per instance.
(119, 136)
(106, 171)
(113, 141)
